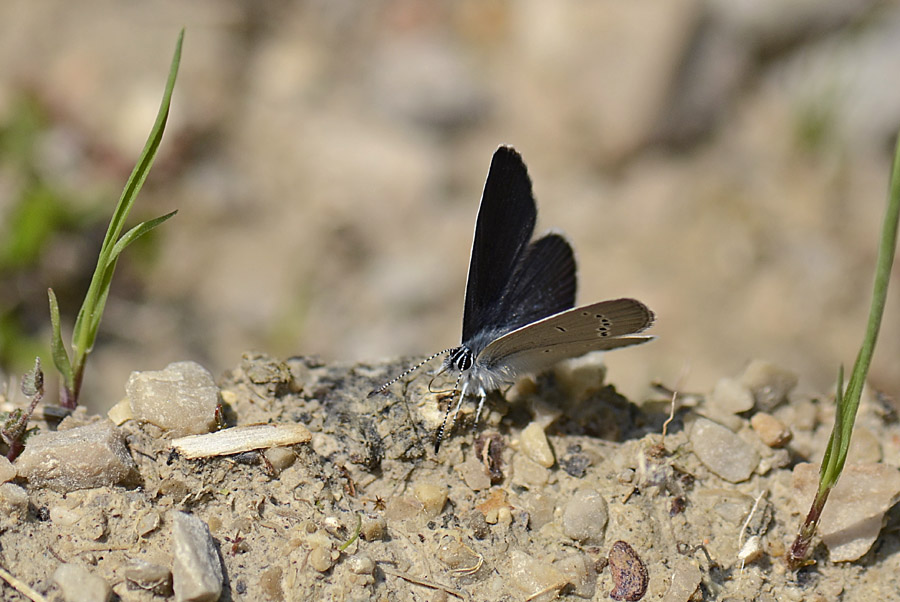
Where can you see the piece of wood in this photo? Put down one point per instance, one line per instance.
(241, 439)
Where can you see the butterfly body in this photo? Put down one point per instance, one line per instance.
(519, 315)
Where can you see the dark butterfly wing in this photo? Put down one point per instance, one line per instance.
(543, 284)
(504, 226)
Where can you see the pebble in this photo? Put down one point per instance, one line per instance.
(403, 508)
(181, 398)
(769, 384)
(361, 564)
(474, 474)
(270, 583)
(7, 470)
(628, 572)
(584, 517)
(528, 473)
(373, 528)
(540, 507)
(772, 431)
(854, 514)
(320, 559)
(196, 566)
(148, 523)
(13, 504)
(730, 396)
(685, 581)
(864, 447)
(723, 452)
(532, 577)
(580, 573)
(433, 497)
(79, 585)
(80, 458)
(534, 444)
(280, 457)
(149, 576)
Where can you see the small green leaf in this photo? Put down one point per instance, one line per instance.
(60, 357)
(33, 381)
(136, 232)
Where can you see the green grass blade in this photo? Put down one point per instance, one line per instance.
(136, 232)
(848, 403)
(58, 349)
(92, 309)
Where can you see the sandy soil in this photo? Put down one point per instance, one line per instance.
(502, 526)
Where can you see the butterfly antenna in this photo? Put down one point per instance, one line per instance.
(406, 373)
(440, 433)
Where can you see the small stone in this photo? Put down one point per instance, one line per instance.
(148, 523)
(182, 398)
(196, 566)
(373, 528)
(532, 577)
(7, 470)
(361, 564)
(580, 573)
(403, 508)
(771, 430)
(854, 514)
(769, 384)
(584, 517)
(456, 555)
(474, 474)
(320, 559)
(534, 444)
(433, 497)
(723, 452)
(80, 458)
(79, 585)
(149, 576)
(528, 473)
(270, 583)
(120, 413)
(575, 463)
(13, 504)
(540, 507)
(685, 581)
(865, 447)
(280, 457)
(629, 573)
(480, 528)
(731, 397)
(63, 516)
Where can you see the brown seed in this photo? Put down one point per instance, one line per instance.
(628, 573)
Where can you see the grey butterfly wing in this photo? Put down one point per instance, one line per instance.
(597, 327)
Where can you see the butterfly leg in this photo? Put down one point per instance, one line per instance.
(482, 395)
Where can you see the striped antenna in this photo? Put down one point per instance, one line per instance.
(407, 372)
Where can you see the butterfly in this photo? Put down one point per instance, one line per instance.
(519, 316)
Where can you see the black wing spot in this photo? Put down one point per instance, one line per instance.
(546, 351)
(585, 313)
(560, 328)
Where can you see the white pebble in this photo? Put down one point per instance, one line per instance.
(534, 444)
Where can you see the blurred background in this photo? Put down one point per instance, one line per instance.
(724, 161)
